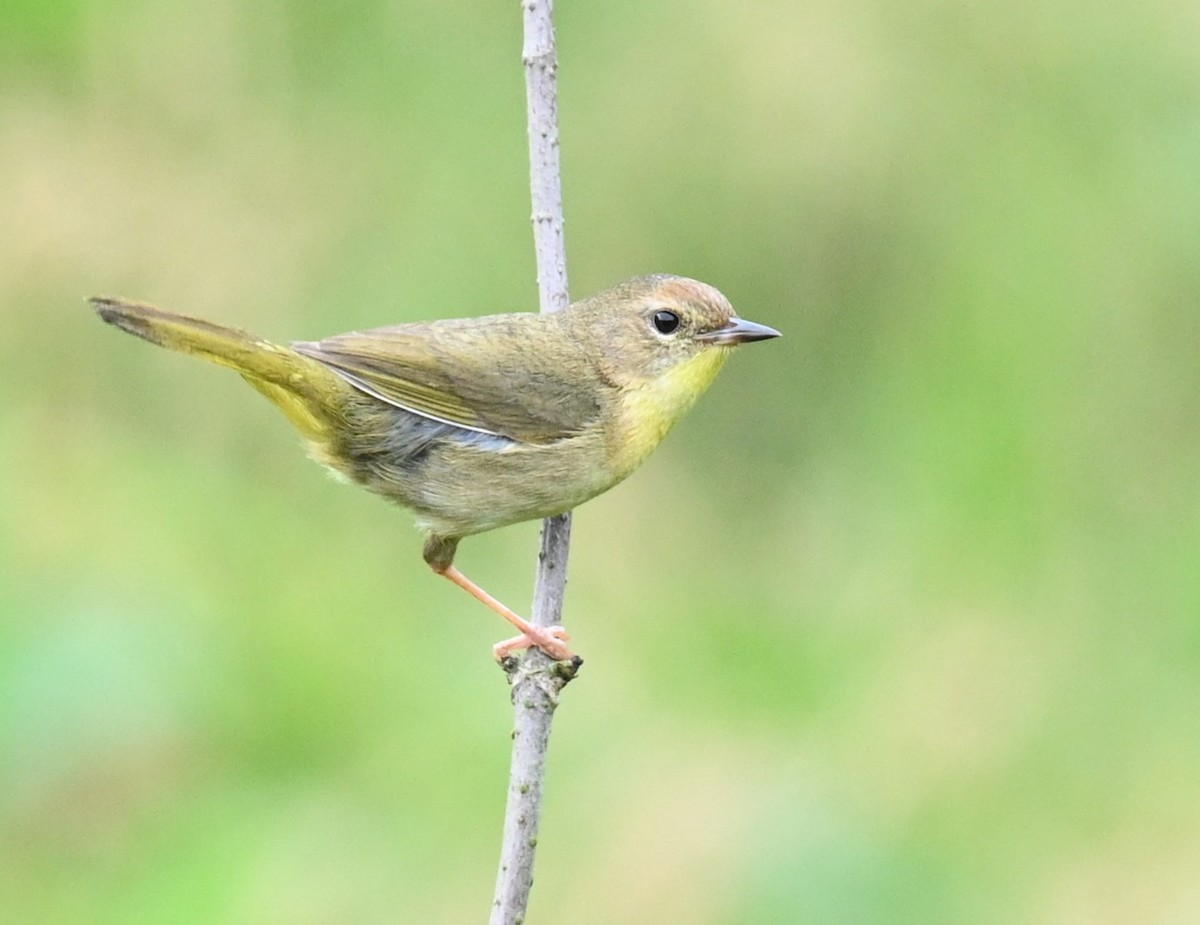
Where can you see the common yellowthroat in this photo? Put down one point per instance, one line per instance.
(478, 423)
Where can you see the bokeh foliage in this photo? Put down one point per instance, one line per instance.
(902, 625)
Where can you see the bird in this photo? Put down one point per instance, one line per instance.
(477, 423)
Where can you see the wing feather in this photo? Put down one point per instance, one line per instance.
(491, 375)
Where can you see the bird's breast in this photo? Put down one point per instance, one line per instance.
(646, 411)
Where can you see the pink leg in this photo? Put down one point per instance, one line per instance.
(551, 640)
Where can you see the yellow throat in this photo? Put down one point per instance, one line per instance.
(650, 408)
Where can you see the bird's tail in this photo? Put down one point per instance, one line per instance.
(309, 393)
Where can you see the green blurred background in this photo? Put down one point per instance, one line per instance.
(901, 625)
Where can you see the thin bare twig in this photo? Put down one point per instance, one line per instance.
(536, 680)
(545, 176)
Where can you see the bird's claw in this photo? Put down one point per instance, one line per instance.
(551, 639)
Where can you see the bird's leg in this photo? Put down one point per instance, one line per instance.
(439, 553)
(551, 639)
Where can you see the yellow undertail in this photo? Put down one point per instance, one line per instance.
(304, 390)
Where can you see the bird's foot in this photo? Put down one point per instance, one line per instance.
(550, 639)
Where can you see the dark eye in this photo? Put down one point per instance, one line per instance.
(665, 322)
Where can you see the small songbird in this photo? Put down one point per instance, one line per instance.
(478, 423)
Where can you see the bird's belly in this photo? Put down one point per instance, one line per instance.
(465, 488)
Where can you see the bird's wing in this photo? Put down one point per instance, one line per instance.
(484, 374)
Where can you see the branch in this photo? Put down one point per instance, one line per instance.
(537, 680)
(545, 177)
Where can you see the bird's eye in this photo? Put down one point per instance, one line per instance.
(665, 322)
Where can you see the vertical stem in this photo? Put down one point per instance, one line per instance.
(545, 176)
(536, 680)
(551, 583)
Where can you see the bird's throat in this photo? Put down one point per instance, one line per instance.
(651, 408)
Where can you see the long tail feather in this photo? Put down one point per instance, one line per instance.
(305, 390)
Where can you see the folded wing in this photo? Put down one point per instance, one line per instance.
(492, 375)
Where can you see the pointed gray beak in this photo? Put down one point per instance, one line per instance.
(738, 331)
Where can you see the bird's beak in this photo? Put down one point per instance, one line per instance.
(738, 331)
